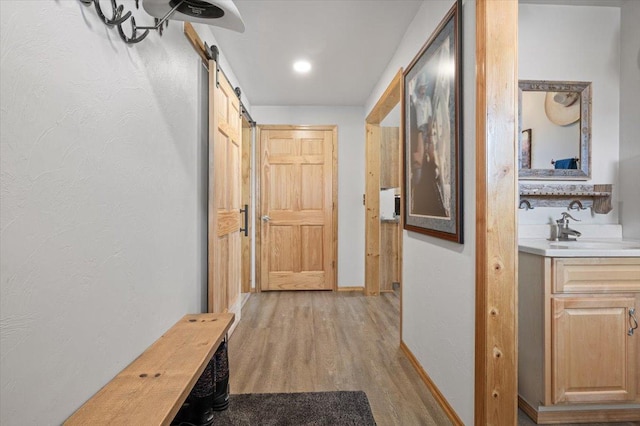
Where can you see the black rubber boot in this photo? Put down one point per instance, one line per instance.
(195, 412)
(198, 410)
(202, 411)
(221, 378)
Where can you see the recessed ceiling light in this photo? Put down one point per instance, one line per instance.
(302, 66)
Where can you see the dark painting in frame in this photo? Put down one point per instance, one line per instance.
(431, 114)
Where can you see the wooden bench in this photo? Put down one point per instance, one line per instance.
(151, 389)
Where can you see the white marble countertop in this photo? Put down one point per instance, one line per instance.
(594, 247)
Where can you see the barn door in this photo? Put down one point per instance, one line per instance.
(225, 189)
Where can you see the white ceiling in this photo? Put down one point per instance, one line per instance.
(348, 42)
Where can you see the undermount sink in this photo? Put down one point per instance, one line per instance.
(581, 248)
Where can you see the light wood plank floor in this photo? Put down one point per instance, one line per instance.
(325, 341)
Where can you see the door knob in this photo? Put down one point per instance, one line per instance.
(266, 218)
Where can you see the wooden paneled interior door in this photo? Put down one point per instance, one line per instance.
(297, 199)
(225, 157)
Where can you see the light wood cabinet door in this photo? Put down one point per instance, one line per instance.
(593, 357)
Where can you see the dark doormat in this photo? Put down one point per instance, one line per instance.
(297, 409)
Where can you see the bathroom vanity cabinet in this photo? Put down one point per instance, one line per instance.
(577, 358)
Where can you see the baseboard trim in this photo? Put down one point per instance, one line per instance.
(437, 395)
(528, 409)
(563, 415)
(245, 298)
(236, 309)
(351, 289)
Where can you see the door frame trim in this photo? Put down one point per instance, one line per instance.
(334, 195)
(496, 330)
(389, 99)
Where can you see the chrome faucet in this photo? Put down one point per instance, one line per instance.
(564, 232)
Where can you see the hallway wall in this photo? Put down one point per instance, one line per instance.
(351, 161)
(103, 201)
(438, 288)
(629, 123)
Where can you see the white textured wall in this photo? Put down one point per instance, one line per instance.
(438, 289)
(577, 43)
(102, 201)
(629, 123)
(351, 135)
